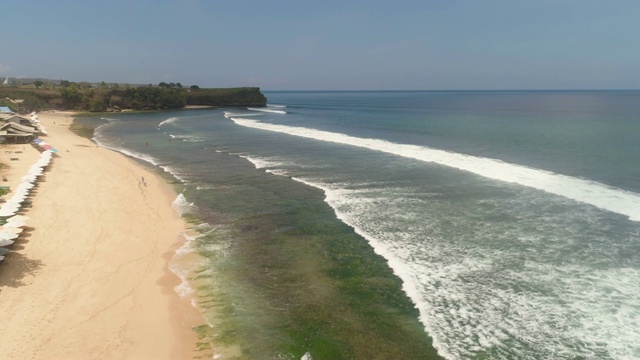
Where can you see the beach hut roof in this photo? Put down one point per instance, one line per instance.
(13, 127)
(18, 119)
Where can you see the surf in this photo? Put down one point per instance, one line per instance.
(168, 121)
(582, 190)
(282, 112)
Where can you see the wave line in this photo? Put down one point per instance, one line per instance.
(268, 110)
(586, 191)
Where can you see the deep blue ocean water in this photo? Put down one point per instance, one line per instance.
(512, 218)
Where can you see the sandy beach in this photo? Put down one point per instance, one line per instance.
(89, 278)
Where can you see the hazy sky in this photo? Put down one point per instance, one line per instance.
(327, 44)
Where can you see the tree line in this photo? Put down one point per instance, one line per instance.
(114, 97)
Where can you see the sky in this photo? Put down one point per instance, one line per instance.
(328, 44)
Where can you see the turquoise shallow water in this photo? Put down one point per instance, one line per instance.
(496, 224)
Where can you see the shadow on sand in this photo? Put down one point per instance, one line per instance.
(16, 266)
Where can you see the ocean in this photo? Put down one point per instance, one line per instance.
(387, 224)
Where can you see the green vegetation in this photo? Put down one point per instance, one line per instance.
(226, 97)
(7, 103)
(100, 97)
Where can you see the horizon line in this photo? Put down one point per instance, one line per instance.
(443, 90)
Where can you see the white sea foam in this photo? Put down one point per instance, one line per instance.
(553, 307)
(260, 163)
(182, 270)
(277, 172)
(399, 266)
(472, 302)
(108, 119)
(168, 121)
(600, 195)
(271, 164)
(183, 289)
(175, 266)
(282, 112)
(229, 114)
(171, 170)
(181, 205)
(138, 155)
(276, 106)
(204, 228)
(189, 138)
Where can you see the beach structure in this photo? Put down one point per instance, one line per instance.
(20, 120)
(12, 222)
(19, 130)
(13, 132)
(5, 110)
(16, 200)
(34, 120)
(5, 243)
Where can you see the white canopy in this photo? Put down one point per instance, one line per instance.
(6, 242)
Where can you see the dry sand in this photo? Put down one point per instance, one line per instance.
(89, 279)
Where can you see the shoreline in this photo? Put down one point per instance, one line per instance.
(91, 277)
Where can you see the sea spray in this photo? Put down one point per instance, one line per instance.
(168, 121)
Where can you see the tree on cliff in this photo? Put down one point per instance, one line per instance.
(71, 96)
